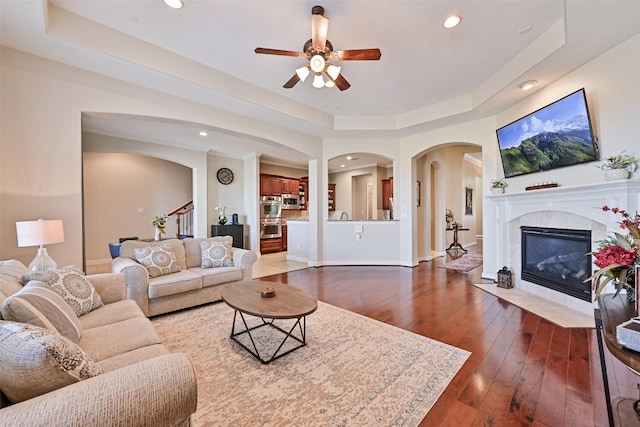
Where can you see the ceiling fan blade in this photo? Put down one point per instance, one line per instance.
(268, 51)
(356, 55)
(292, 81)
(319, 30)
(342, 83)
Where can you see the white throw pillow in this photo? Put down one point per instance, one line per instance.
(35, 361)
(72, 286)
(158, 260)
(38, 304)
(216, 254)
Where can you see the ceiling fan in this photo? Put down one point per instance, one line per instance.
(319, 51)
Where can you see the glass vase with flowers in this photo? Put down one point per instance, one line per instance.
(618, 256)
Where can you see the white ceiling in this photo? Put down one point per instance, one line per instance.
(427, 77)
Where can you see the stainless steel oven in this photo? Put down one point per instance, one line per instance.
(290, 201)
(270, 207)
(270, 228)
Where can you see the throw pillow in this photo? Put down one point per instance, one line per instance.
(216, 254)
(158, 260)
(38, 304)
(34, 361)
(72, 286)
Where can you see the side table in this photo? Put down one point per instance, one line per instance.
(455, 245)
(234, 230)
(611, 313)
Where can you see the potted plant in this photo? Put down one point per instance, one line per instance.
(498, 186)
(618, 166)
(159, 222)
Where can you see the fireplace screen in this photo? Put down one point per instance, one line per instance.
(557, 259)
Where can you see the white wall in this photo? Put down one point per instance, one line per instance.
(121, 197)
(40, 152)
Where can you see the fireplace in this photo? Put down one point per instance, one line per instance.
(557, 259)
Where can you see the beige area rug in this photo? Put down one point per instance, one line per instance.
(354, 371)
(547, 309)
(465, 263)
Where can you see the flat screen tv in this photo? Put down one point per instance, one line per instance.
(554, 136)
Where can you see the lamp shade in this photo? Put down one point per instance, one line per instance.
(40, 232)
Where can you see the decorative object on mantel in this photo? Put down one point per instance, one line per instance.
(618, 167)
(222, 217)
(498, 186)
(541, 185)
(505, 278)
(159, 222)
(617, 257)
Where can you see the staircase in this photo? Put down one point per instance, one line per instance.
(184, 220)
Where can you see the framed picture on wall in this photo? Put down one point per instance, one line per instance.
(468, 197)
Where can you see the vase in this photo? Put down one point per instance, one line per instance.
(157, 235)
(222, 220)
(497, 190)
(615, 174)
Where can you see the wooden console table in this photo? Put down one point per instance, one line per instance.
(455, 244)
(611, 313)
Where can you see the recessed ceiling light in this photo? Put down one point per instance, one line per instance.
(341, 166)
(528, 85)
(349, 157)
(452, 21)
(203, 133)
(175, 4)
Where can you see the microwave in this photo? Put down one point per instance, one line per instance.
(290, 201)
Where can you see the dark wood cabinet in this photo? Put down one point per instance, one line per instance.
(284, 238)
(270, 185)
(303, 187)
(332, 197)
(234, 230)
(268, 246)
(387, 192)
(290, 186)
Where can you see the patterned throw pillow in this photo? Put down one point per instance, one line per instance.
(38, 304)
(34, 361)
(216, 254)
(158, 260)
(72, 286)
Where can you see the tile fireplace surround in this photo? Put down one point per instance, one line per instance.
(576, 207)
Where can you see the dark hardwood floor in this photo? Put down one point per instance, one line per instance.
(523, 371)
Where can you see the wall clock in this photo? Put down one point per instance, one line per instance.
(225, 176)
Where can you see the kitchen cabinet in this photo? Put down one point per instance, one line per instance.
(284, 237)
(303, 186)
(290, 186)
(387, 192)
(332, 197)
(270, 185)
(268, 246)
(234, 230)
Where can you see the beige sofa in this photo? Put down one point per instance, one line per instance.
(190, 286)
(141, 383)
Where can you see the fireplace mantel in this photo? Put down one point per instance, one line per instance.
(583, 200)
(575, 207)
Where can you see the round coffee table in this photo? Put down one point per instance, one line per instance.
(288, 303)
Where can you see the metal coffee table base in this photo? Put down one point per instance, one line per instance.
(300, 324)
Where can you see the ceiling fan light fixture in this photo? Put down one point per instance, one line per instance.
(333, 71)
(317, 63)
(174, 4)
(318, 81)
(303, 73)
(329, 83)
(452, 21)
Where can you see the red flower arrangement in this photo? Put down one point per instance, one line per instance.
(617, 256)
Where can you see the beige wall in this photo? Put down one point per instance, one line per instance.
(122, 194)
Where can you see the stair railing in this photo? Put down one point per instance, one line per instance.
(184, 219)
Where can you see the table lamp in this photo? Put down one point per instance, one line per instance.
(40, 233)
